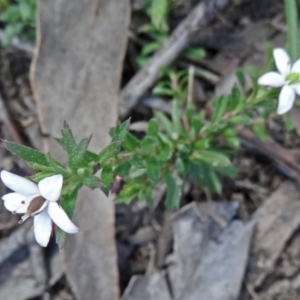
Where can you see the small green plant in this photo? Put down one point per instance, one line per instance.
(157, 30)
(186, 145)
(19, 20)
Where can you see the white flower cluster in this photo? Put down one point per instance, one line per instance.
(287, 77)
(38, 201)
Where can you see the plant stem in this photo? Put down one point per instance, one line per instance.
(292, 24)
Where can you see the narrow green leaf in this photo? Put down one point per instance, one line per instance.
(67, 203)
(27, 154)
(58, 167)
(288, 123)
(41, 175)
(108, 152)
(153, 168)
(90, 181)
(220, 106)
(213, 182)
(77, 154)
(260, 131)
(176, 118)
(152, 129)
(174, 190)
(194, 53)
(164, 122)
(67, 140)
(235, 99)
(165, 153)
(122, 169)
(212, 158)
(119, 132)
(240, 119)
(131, 143)
(162, 91)
(106, 178)
(159, 9)
(148, 144)
(90, 157)
(241, 77)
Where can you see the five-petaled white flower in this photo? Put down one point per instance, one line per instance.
(38, 200)
(287, 78)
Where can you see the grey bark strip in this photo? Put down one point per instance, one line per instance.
(198, 18)
(277, 219)
(76, 77)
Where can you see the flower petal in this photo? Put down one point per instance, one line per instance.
(296, 88)
(60, 218)
(19, 184)
(282, 61)
(286, 99)
(42, 228)
(272, 79)
(296, 67)
(13, 202)
(50, 187)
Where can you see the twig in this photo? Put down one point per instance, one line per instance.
(286, 161)
(20, 45)
(199, 17)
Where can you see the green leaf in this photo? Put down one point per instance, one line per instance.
(213, 182)
(288, 123)
(137, 172)
(150, 48)
(106, 178)
(194, 53)
(68, 201)
(212, 158)
(41, 175)
(196, 124)
(240, 119)
(179, 165)
(90, 181)
(67, 140)
(233, 141)
(235, 99)
(90, 157)
(77, 154)
(153, 168)
(108, 152)
(122, 169)
(153, 128)
(174, 190)
(119, 132)
(128, 193)
(27, 154)
(229, 171)
(220, 106)
(58, 167)
(164, 122)
(131, 143)
(241, 77)
(148, 144)
(260, 131)
(176, 118)
(159, 9)
(165, 153)
(24, 8)
(163, 91)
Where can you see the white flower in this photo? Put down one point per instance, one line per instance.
(38, 200)
(287, 78)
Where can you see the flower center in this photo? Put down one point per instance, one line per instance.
(33, 208)
(293, 78)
